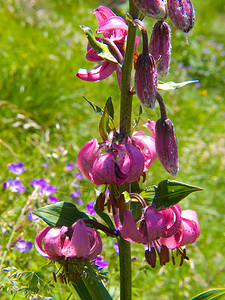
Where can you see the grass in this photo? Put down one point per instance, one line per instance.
(45, 119)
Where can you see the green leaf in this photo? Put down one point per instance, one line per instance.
(103, 125)
(137, 119)
(148, 194)
(100, 48)
(169, 193)
(109, 107)
(171, 85)
(211, 295)
(60, 214)
(136, 209)
(96, 108)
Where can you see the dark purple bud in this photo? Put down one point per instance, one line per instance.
(146, 80)
(155, 9)
(166, 145)
(182, 14)
(160, 46)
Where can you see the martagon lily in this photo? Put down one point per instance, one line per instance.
(77, 241)
(114, 29)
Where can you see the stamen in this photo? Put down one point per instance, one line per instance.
(173, 260)
(54, 277)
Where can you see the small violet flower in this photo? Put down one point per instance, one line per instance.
(53, 199)
(70, 166)
(77, 241)
(79, 176)
(90, 208)
(33, 217)
(121, 163)
(17, 168)
(44, 188)
(16, 186)
(100, 262)
(23, 246)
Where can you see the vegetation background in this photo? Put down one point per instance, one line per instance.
(44, 119)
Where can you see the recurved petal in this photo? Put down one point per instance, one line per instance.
(53, 241)
(114, 27)
(156, 224)
(191, 228)
(79, 245)
(172, 217)
(38, 242)
(87, 155)
(95, 243)
(103, 170)
(129, 230)
(100, 72)
(102, 13)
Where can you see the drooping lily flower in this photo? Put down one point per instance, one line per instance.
(121, 163)
(115, 29)
(146, 144)
(77, 241)
(188, 232)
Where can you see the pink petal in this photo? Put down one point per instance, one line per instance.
(87, 155)
(38, 242)
(151, 127)
(91, 54)
(129, 230)
(95, 243)
(191, 228)
(79, 245)
(156, 224)
(103, 170)
(100, 72)
(102, 13)
(114, 27)
(172, 217)
(136, 163)
(53, 241)
(174, 241)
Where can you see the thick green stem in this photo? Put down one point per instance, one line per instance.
(125, 130)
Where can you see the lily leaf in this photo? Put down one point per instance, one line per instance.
(169, 193)
(110, 108)
(148, 194)
(60, 214)
(210, 295)
(137, 119)
(96, 108)
(101, 49)
(171, 85)
(103, 125)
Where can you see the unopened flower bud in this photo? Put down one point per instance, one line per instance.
(146, 80)
(182, 14)
(166, 145)
(155, 9)
(160, 46)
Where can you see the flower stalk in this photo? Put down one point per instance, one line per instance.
(125, 129)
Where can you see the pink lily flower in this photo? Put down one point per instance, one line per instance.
(120, 164)
(146, 144)
(78, 241)
(188, 232)
(115, 29)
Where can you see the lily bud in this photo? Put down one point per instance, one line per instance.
(155, 9)
(160, 46)
(166, 145)
(146, 80)
(182, 14)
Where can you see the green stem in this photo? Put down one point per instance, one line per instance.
(125, 130)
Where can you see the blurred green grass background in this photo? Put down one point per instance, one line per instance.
(45, 119)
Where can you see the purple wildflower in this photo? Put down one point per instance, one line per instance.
(4, 185)
(44, 188)
(70, 166)
(100, 262)
(33, 217)
(17, 168)
(76, 194)
(16, 186)
(53, 199)
(79, 176)
(90, 208)
(45, 165)
(23, 246)
(116, 247)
